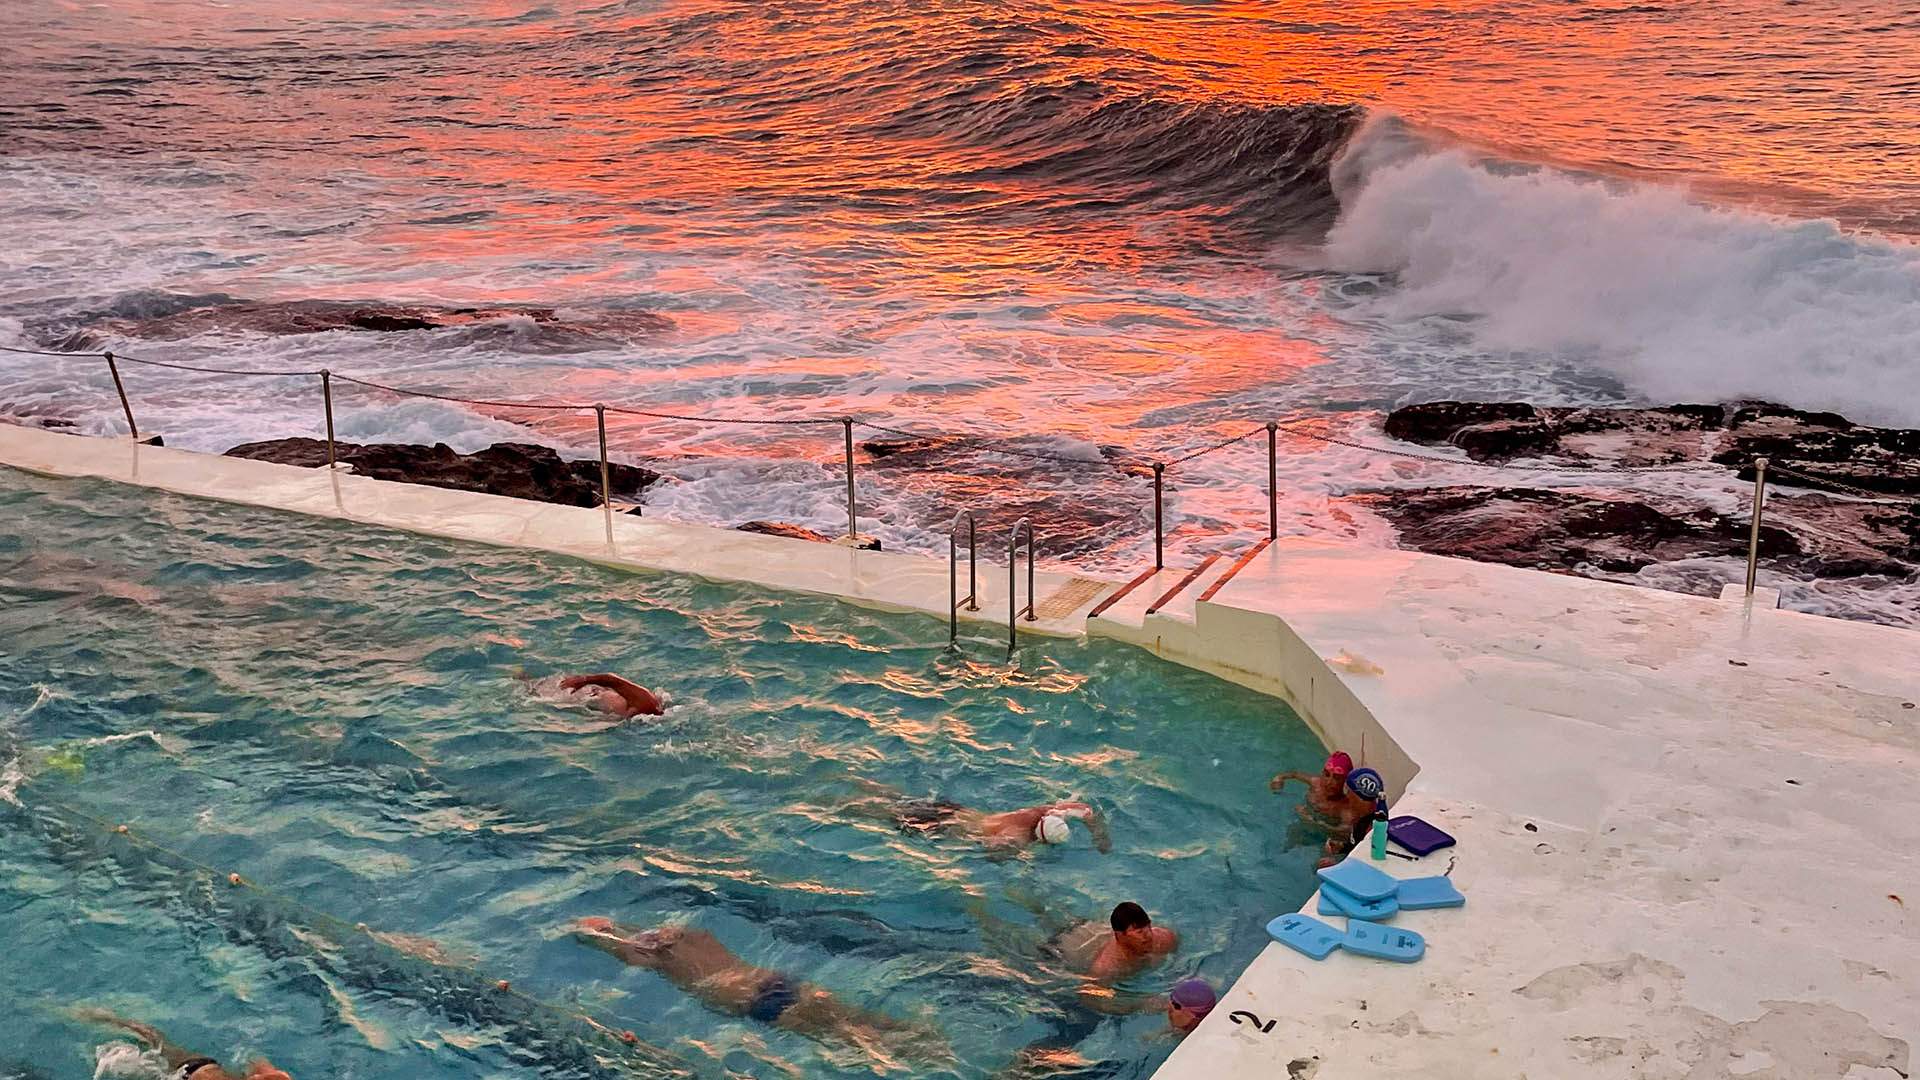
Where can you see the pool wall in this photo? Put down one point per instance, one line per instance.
(1689, 828)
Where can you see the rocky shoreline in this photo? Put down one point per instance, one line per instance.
(1616, 524)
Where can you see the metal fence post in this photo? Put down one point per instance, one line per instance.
(1753, 538)
(846, 422)
(133, 429)
(1273, 480)
(606, 486)
(1159, 544)
(326, 397)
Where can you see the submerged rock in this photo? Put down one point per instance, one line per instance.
(163, 316)
(518, 470)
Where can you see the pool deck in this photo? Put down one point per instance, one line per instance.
(1689, 830)
(1689, 833)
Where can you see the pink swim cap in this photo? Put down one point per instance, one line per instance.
(1338, 763)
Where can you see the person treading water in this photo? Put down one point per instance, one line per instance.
(1048, 823)
(1129, 945)
(184, 1064)
(698, 963)
(1330, 807)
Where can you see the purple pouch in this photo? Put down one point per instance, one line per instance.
(1416, 835)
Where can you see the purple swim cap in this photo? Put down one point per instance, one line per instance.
(1193, 995)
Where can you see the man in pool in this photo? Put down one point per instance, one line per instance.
(1132, 945)
(1049, 823)
(696, 962)
(614, 695)
(184, 1064)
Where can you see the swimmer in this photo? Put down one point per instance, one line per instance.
(1330, 805)
(1130, 945)
(1050, 823)
(696, 962)
(1189, 1003)
(184, 1064)
(609, 693)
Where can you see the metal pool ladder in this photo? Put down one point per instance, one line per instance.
(953, 574)
(1014, 611)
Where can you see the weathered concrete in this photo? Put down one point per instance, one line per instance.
(1689, 830)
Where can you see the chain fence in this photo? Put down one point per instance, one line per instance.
(1132, 463)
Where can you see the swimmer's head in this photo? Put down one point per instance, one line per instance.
(1339, 764)
(1189, 1003)
(1052, 829)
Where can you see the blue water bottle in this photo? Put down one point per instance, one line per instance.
(1379, 836)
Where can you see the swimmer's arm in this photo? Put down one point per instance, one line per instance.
(1280, 779)
(1111, 1002)
(1096, 825)
(627, 951)
(638, 697)
(147, 1033)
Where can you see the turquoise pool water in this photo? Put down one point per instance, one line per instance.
(334, 713)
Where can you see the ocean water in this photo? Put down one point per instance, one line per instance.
(1094, 230)
(335, 713)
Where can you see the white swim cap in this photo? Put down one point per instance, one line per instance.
(1053, 829)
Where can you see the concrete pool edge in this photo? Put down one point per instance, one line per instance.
(884, 580)
(1543, 712)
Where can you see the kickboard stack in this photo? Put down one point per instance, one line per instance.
(1366, 897)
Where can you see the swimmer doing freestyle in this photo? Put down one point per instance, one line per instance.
(1048, 823)
(183, 1064)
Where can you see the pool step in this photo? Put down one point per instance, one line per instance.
(1171, 592)
(1179, 604)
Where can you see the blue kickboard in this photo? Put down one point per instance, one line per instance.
(1383, 942)
(1360, 881)
(1337, 901)
(1417, 894)
(1304, 934)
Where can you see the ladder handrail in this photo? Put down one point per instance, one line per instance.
(953, 574)
(1013, 565)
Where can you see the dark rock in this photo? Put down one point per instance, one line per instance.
(1437, 421)
(801, 532)
(1826, 447)
(1503, 431)
(518, 470)
(1622, 533)
(885, 448)
(1562, 530)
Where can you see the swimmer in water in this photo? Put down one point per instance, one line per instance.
(1189, 1003)
(184, 1064)
(1330, 806)
(1049, 823)
(696, 962)
(608, 693)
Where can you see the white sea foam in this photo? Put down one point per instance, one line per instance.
(125, 1061)
(1682, 300)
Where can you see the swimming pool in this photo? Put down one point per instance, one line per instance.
(334, 713)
